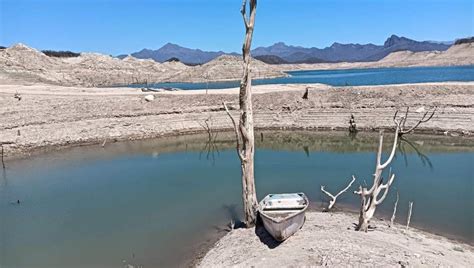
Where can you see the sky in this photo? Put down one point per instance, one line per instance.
(125, 26)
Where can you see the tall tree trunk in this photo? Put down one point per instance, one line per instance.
(249, 196)
(244, 131)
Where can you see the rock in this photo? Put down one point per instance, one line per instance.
(149, 97)
(421, 109)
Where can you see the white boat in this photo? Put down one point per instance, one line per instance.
(283, 214)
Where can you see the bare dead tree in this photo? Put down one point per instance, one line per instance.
(392, 219)
(244, 131)
(426, 117)
(370, 197)
(334, 197)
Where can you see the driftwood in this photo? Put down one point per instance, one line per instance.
(334, 197)
(244, 132)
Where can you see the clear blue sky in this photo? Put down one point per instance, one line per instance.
(125, 26)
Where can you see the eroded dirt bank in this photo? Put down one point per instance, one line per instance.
(52, 116)
(329, 239)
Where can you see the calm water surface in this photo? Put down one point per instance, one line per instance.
(154, 203)
(351, 77)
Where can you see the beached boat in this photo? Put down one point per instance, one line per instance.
(283, 214)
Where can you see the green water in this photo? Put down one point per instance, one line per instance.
(156, 202)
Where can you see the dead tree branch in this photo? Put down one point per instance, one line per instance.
(426, 117)
(334, 197)
(237, 134)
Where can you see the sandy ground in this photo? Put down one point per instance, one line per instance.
(329, 239)
(53, 116)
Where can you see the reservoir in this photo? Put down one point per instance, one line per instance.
(349, 77)
(157, 202)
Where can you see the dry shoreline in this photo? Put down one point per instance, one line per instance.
(329, 239)
(50, 116)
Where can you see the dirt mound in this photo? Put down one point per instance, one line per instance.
(329, 239)
(462, 54)
(228, 67)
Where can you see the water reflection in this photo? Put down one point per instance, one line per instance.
(425, 160)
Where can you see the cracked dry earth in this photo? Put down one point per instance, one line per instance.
(329, 239)
(49, 116)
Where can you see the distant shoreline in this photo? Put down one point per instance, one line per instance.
(203, 85)
(21, 64)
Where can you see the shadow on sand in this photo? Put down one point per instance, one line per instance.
(264, 236)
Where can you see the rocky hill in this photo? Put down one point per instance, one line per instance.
(185, 55)
(25, 64)
(462, 54)
(22, 64)
(338, 52)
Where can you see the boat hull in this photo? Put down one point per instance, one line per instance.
(283, 229)
(282, 215)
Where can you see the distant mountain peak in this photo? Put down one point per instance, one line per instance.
(395, 39)
(280, 44)
(280, 52)
(171, 46)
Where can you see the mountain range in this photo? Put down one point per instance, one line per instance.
(282, 53)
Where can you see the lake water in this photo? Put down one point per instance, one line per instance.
(350, 77)
(155, 202)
